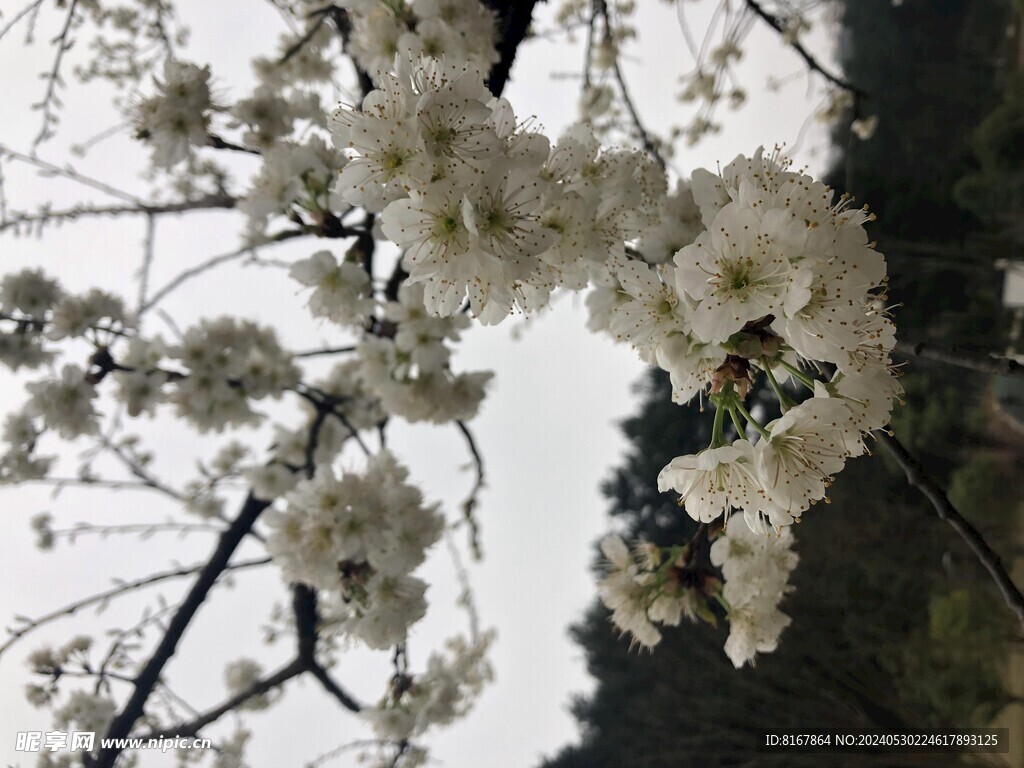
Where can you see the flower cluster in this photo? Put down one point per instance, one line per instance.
(771, 277)
(459, 30)
(240, 676)
(445, 691)
(409, 371)
(353, 407)
(358, 538)
(86, 712)
(783, 278)
(341, 292)
(756, 570)
(653, 586)
(295, 178)
(177, 116)
(483, 207)
(228, 363)
(26, 299)
(39, 310)
(65, 404)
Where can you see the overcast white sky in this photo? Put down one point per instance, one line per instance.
(547, 430)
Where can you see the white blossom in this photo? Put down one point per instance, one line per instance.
(240, 676)
(29, 292)
(75, 315)
(714, 481)
(65, 404)
(742, 269)
(341, 292)
(229, 362)
(756, 568)
(358, 537)
(177, 117)
(804, 449)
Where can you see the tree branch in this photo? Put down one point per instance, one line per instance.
(812, 63)
(139, 471)
(148, 677)
(304, 606)
(974, 361)
(191, 728)
(334, 689)
(918, 478)
(323, 352)
(299, 44)
(339, 16)
(217, 142)
(513, 21)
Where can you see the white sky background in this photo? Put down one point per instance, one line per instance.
(547, 430)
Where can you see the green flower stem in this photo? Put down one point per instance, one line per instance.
(784, 400)
(718, 431)
(740, 431)
(723, 602)
(752, 421)
(799, 375)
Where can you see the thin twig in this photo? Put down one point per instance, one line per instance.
(961, 358)
(301, 43)
(588, 55)
(3, 195)
(92, 141)
(215, 261)
(161, 28)
(918, 478)
(217, 142)
(471, 502)
(323, 352)
(139, 471)
(120, 589)
(19, 16)
(16, 220)
(601, 9)
(466, 598)
(812, 63)
(340, 416)
(103, 483)
(70, 173)
(341, 748)
(86, 529)
(53, 78)
(148, 252)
